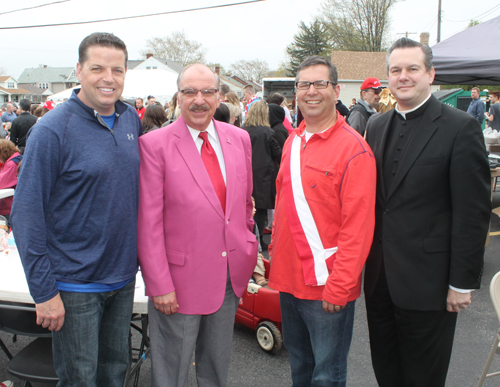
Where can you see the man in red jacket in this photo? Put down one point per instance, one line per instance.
(139, 107)
(323, 228)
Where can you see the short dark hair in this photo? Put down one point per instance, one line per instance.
(222, 113)
(315, 60)
(224, 89)
(410, 43)
(276, 98)
(250, 88)
(496, 93)
(25, 105)
(102, 39)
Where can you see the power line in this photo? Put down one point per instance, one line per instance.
(36, 6)
(131, 17)
(486, 13)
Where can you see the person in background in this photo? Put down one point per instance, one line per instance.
(21, 125)
(151, 100)
(9, 114)
(74, 218)
(232, 98)
(266, 154)
(10, 157)
(154, 118)
(249, 97)
(33, 107)
(224, 89)
(493, 116)
(139, 107)
(173, 111)
(222, 113)
(476, 107)
(366, 105)
(278, 99)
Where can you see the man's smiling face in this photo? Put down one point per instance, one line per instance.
(102, 77)
(317, 104)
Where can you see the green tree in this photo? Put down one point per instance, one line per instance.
(311, 39)
(176, 47)
(357, 25)
(473, 23)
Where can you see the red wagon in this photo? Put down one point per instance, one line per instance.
(259, 309)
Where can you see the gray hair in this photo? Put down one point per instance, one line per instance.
(409, 43)
(318, 60)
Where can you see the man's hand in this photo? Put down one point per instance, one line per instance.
(331, 308)
(457, 301)
(166, 304)
(50, 314)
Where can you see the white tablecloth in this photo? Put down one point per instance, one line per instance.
(13, 286)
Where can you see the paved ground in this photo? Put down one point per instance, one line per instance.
(251, 367)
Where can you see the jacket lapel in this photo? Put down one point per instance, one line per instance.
(418, 141)
(188, 151)
(379, 154)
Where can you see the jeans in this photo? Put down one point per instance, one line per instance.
(92, 348)
(317, 342)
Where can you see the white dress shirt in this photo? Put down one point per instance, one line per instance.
(213, 138)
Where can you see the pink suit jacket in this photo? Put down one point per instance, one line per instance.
(186, 242)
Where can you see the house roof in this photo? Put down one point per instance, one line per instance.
(177, 67)
(359, 65)
(4, 78)
(15, 91)
(442, 94)
(244, 82)
(48, 75)
(30, 88)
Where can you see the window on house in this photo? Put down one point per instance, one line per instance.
(11, 85)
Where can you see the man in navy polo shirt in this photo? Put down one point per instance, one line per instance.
(74, 218)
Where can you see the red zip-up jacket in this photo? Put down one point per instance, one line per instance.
(339, 180)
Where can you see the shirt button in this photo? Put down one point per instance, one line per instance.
(386, 211)
(224, 253)
(393, 172)
(399, 148)
(400, 134)
(395, 160)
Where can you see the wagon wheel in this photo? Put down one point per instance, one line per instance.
(269, 337)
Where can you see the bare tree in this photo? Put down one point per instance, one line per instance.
(357, 25)
(253, 70)
(176, 47)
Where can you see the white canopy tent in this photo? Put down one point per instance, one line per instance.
(160, 83)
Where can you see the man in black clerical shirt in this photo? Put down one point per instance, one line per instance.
(427, 251)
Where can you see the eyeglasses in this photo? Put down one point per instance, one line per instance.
(194, 92)
(376, 91)
(304, 85)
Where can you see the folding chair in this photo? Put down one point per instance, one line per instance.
(495, 299)
(34, 362)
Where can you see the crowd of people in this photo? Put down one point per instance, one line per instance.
(183, 190)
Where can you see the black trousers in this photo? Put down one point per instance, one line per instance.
(409, 348)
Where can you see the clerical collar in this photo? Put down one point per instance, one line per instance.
(415, 112)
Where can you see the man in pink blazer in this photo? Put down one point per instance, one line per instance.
(196, 250)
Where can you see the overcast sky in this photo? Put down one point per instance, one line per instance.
(259, 30)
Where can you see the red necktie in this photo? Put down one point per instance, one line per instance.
(213, 168)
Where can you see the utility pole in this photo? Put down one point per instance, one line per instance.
(439, 22)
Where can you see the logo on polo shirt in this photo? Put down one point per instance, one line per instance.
(130, 136)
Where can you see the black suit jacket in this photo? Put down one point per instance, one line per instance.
(431, 224)
(20, 128)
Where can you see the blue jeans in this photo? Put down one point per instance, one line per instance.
(317, 342)
(92, 348)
